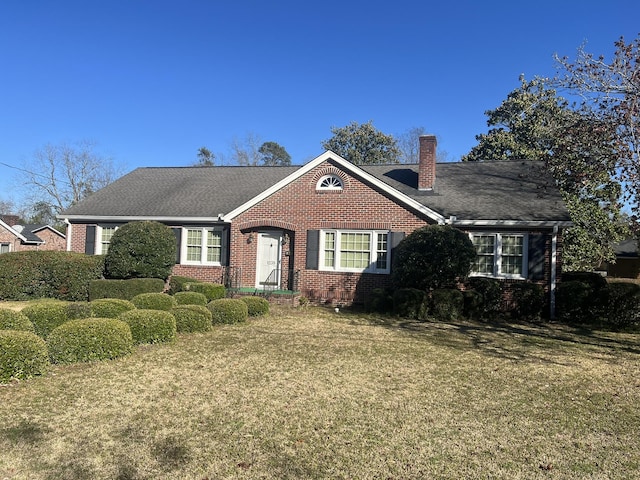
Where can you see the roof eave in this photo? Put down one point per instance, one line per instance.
(511, 223)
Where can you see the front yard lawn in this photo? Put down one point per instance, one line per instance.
(312, 394)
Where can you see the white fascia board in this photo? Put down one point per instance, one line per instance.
(15, 232)
(129, 218)
(346, 165)
(511, 223)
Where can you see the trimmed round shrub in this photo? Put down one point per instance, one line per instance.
(528, 300)
(447, 304)
(110, 307)
(190, 298)
(192, 318)
(473, 304)
(212, 291)
(22, 355)
(177, 283)
(410, 303)
(491, 291)
(89, 339)
(572, 300)
(12, 320)
(380, 300)
(46, 315)
(154, 301)
(623, 305)
(594, 280)
(141, 250)
(434, 256)
(228, 310)
(150, 326)
(257, 306)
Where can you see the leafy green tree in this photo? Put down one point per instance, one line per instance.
(206, 158)
(274, 154)
(432, 257)
(363, 144)
(141, 250)
(609, 93)
(578, 150)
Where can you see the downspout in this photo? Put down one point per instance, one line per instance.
(554, 273)
(68, 232)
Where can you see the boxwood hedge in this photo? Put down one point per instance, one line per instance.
(125, 289)
(154, 301)
(12, 320)
(88, 339)
(228, 310)
(22, 355)
(190, 298)
(257, 306)
(192, 318)
(212, 291)
(47, 315)
(150, 326)
(110, 307)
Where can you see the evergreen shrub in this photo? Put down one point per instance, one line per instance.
(447, 304)
(89, 339)
(257, 306)
(48, 274)
(473, 304)
(228, 310)
(190, 298)
(410, 303)
(528, 300)
(124, 289)
(154, 301)
(150, 326)
(177, 283)
(212, 291)
(380, 300)
(192, 318)
(623, 305)
(47, 315)
(573, 301)
(110, 307)
(141, 250)
(491, 291)
(22, 355)
(12, 320)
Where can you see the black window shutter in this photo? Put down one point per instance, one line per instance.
(90, 240)
(537, 255)
(313, 249)
(394, 241)
(178, 233)
(224, 254)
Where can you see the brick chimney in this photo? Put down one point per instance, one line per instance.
(427, 166)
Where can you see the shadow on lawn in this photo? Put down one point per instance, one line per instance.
(516, 341)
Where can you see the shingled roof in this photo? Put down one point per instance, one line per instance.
(504, 191)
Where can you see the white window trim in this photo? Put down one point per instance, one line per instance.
(497, 258)
(203, 255)
(98, 242)
(373, 249)
(8, 244)
(337, 183)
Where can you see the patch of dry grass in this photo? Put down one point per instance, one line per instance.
(312, 394)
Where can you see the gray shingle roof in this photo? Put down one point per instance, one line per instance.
(511, 190)
(502, 190)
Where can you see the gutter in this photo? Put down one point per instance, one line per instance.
(554, 274)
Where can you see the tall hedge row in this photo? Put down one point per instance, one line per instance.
(48, 274)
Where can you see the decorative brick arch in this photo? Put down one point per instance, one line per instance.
(331, 170)
(266, 223)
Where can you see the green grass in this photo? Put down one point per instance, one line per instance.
(313, 394)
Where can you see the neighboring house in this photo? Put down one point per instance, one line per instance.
(19, 238)
(627, 261)
(328, 229)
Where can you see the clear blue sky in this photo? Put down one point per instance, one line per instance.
(153, 80)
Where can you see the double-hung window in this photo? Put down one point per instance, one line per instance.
(354, 251)
(202, 246)
(500, 254)
(5, 247)
(104, 239)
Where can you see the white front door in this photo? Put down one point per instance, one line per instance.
(268, 260)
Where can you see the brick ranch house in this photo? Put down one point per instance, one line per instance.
(328, 229)
(20, 238)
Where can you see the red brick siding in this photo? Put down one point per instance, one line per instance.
(52, 241)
